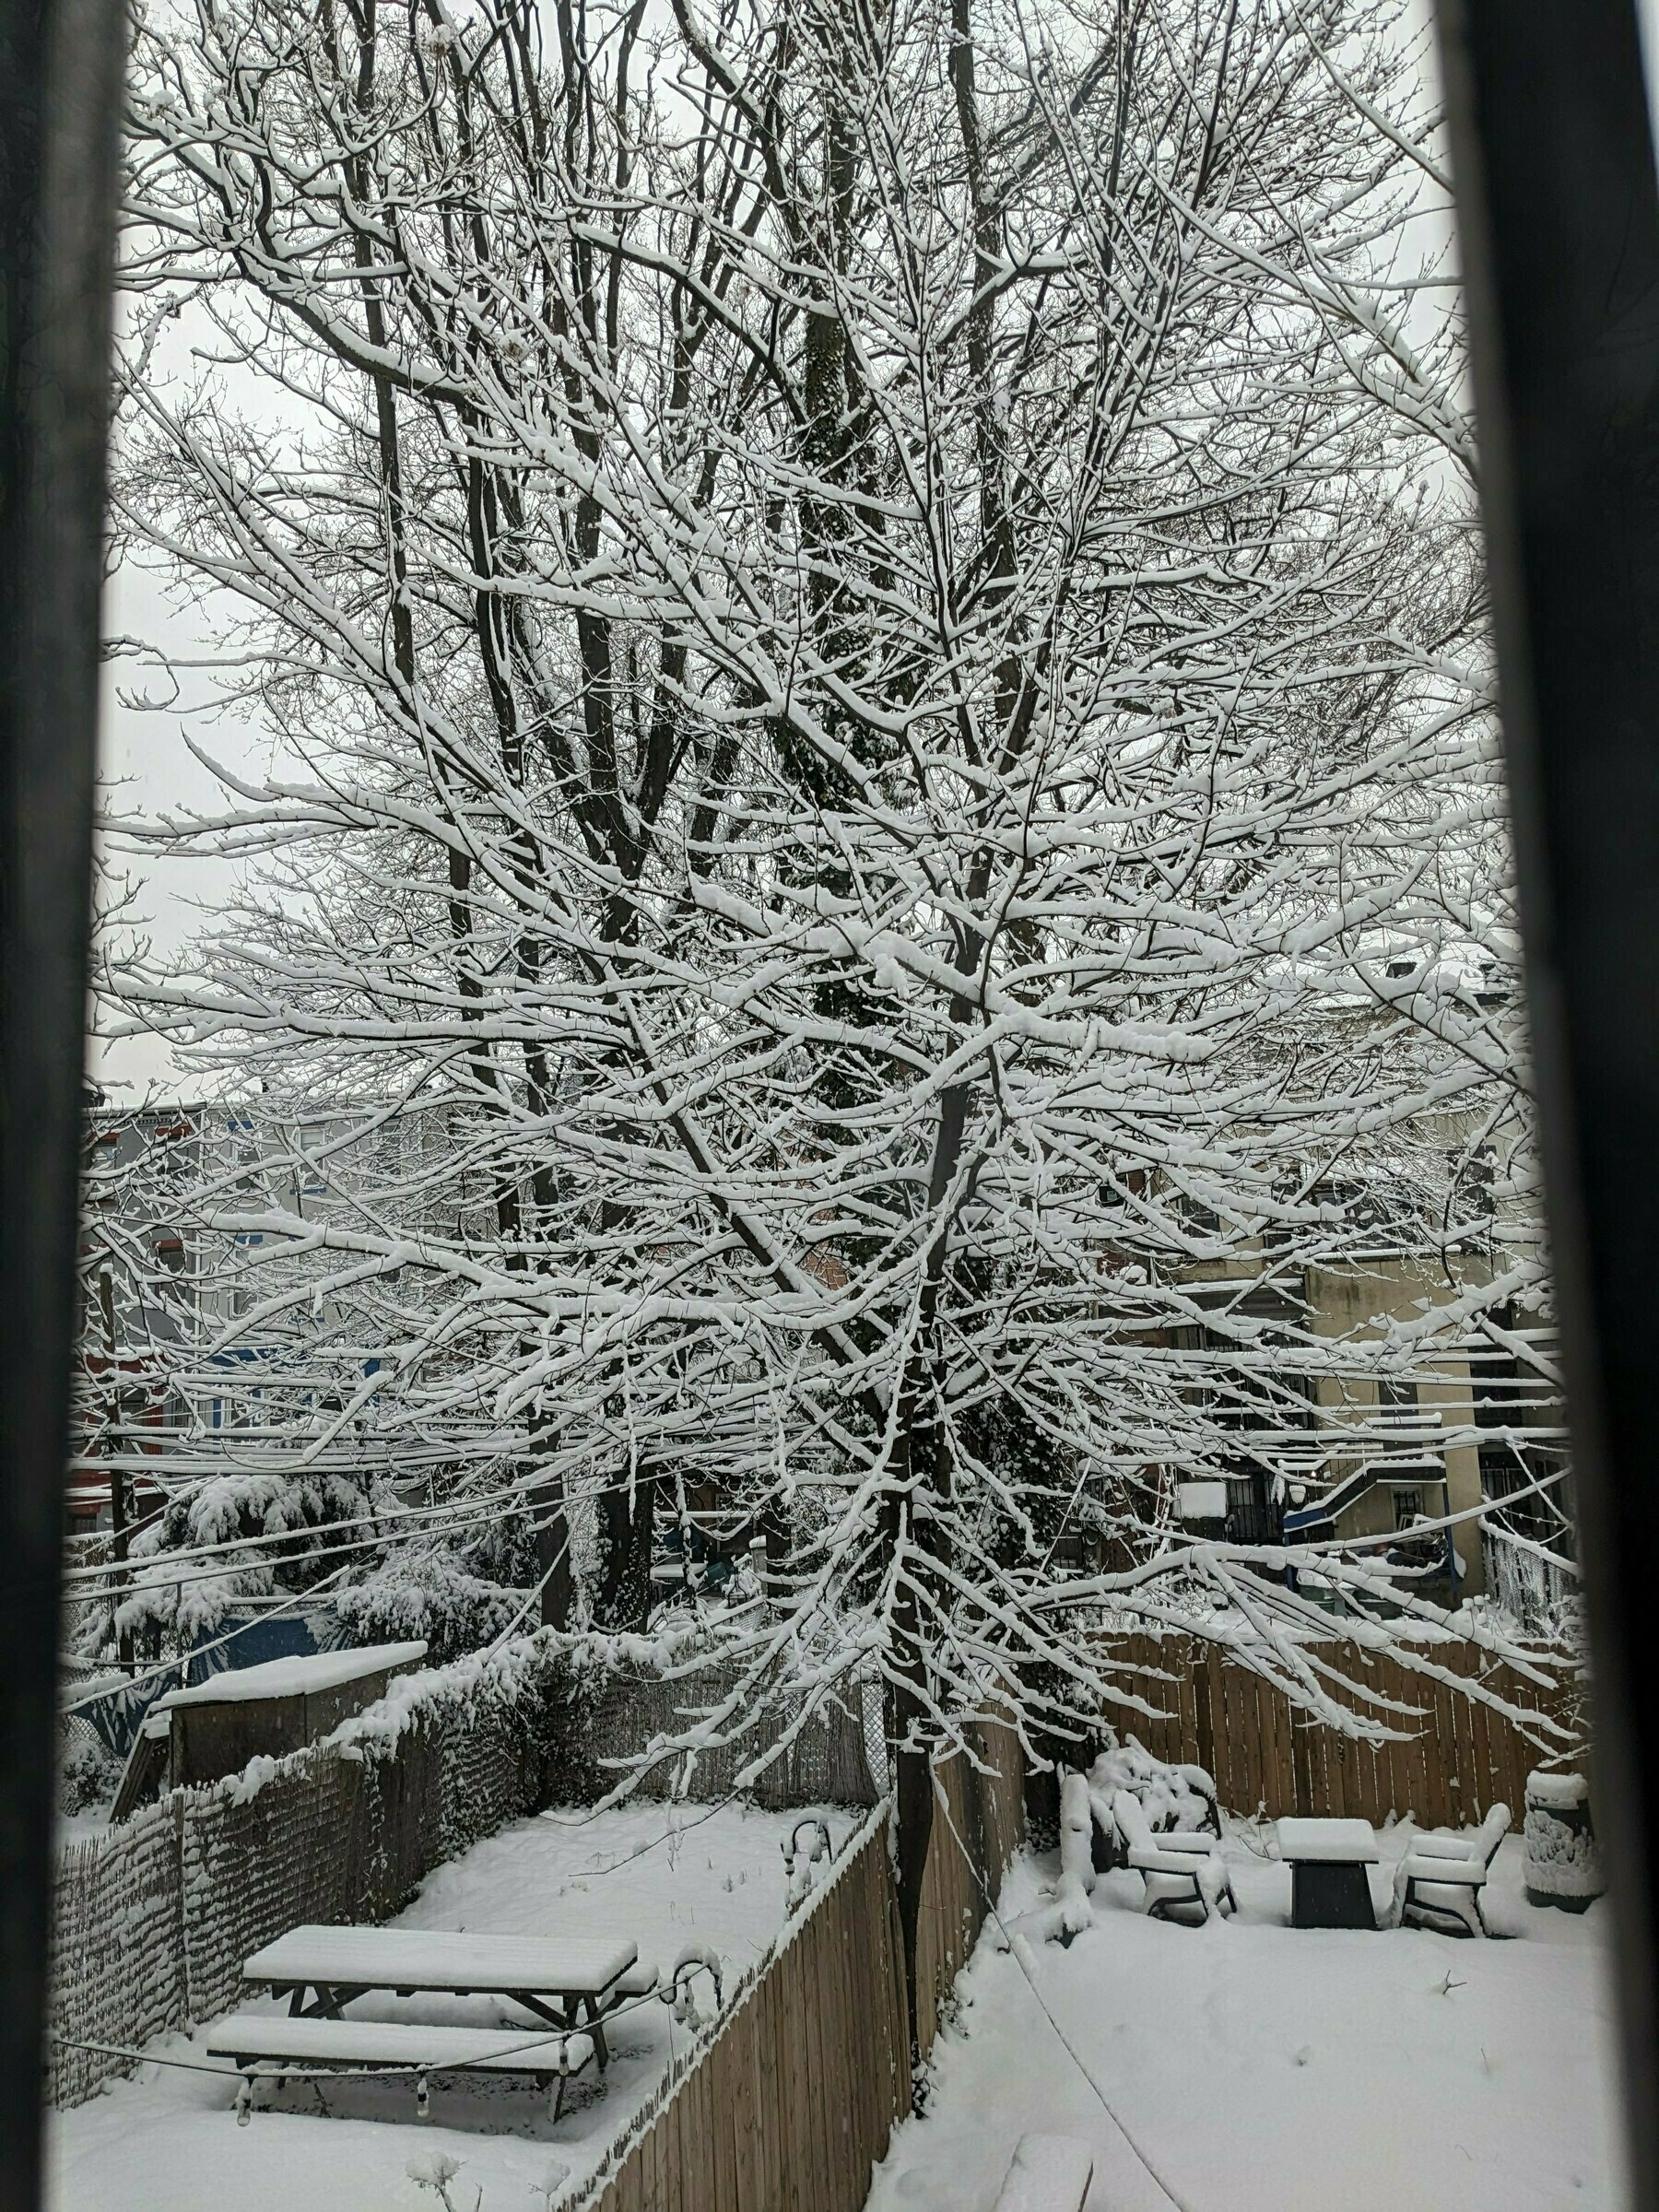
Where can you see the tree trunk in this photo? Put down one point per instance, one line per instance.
(553, 1554)
(118, 1488)
(912, 1769)
(627, 1528)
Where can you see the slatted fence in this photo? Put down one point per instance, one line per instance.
(979, 1824)
(792, 2100)
(1459, 1758)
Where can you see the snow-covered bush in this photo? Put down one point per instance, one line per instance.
(430, 1595)
(90, 1774)
(1067, 1913)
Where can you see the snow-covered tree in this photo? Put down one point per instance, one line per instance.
(874, 650)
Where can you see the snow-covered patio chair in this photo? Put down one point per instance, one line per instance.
(1181, 1873)
(1178, 1797)
(1438, 1883)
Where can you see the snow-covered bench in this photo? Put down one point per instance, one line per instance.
(270, 2046)
(1049, 2173)
(1179, 1871)
(1438, 1883)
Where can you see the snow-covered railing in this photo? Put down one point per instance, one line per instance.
(1535, 1589)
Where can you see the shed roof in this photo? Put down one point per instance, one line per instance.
(293, 1678)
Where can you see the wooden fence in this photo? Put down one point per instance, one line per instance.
(791, 2100)
(979, 1824)
(1267, 1754)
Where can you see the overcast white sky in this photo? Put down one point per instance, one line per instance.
(144, 753)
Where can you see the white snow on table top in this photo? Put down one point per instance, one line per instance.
(1555, 1790)
(1266, 2068)
(653, 1875)
(295, 1677)
(422, 1958)
(395, 2044)
(1331, 1843)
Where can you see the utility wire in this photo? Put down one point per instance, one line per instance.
(1071, 2050)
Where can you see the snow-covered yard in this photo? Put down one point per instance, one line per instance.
(664, 1877)
(1262, 2068)
(1259, 2068)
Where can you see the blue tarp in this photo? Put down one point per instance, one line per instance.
(239, 1640)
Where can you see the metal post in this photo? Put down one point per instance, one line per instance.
(60, 80)
(1558, 223)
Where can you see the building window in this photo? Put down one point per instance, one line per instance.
(1408, 1507)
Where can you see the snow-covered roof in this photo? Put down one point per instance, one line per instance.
(293, 1678)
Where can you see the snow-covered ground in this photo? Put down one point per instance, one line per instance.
(664, 1877)
(1262, 2069)
(1259, 2068)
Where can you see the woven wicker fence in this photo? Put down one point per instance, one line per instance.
(827, 1762)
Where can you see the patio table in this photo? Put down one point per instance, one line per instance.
(1329, 1886)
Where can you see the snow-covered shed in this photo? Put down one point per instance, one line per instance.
(218, 1727)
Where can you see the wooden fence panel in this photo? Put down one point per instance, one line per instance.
(1452, 1761)
(792, 2098)
(787, 2106)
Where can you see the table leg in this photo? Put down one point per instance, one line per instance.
(595, 2027)
(1330, 1894)
(331, 1997)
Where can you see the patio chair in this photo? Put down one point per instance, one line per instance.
(1438, 1883)
(1198, 1781)
(1181, 1873)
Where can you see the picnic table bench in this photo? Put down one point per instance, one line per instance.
(1329, 1885)
(269, 2046)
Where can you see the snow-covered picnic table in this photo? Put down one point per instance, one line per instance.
(567, 1981)
(1329, 1885)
